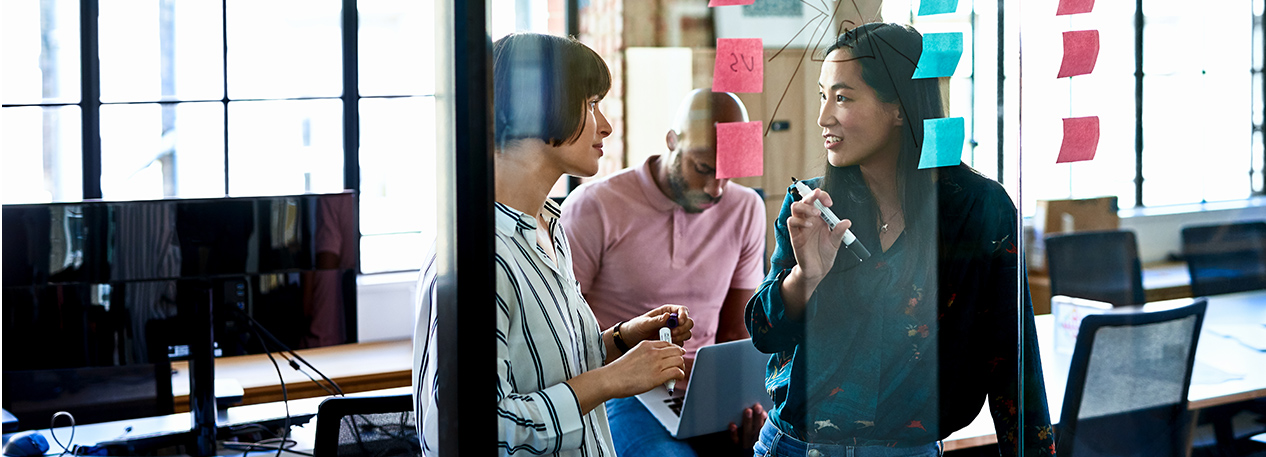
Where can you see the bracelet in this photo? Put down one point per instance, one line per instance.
(619, 340)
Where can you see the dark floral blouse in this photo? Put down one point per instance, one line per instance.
(892, 359)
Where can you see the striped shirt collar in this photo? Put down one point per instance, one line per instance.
(510, 220)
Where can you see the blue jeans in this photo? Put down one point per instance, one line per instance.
(775, 443)
(637, 433)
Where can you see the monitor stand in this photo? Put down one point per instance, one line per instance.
(202, 379)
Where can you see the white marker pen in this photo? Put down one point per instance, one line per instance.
(666, 334)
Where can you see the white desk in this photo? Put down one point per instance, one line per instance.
(1225, 372)
(172, 424)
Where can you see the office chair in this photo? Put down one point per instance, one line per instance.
(1225, 258)
(367, 426)
(1127, 385)
(1102, 265)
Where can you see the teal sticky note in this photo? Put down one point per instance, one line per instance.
(942, 142)
(941, 53)
(930, 7)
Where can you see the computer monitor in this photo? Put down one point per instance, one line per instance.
(118, 285)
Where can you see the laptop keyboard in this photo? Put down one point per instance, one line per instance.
(674, 403)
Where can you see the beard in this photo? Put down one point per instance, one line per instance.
(689, 199)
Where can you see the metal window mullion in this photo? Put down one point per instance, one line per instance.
(351, 96)
(1138, 103)
(90, 98)
(571, 15)
(224, 99)
(351, 111)
(1001, 91)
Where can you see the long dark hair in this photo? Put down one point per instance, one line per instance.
(888, 55)
(540, 86)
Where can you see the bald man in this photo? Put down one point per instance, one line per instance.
(669, 232)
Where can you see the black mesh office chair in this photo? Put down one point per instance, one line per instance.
(1127, 385)
(1225, 258)
(1101, 266)
(367, 426)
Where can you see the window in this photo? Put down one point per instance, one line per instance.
(1197, 139)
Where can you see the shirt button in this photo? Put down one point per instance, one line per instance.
(814, 453)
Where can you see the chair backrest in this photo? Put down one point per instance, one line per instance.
(1128, 382)
(1101, 266)
(1225, 258)
(367, 426)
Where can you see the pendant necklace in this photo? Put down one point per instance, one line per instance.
(883, 226)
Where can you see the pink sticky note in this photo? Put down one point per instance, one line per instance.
(1081, 50)
(740, 65)
(730, 2)
(1074, 7)
(1081, 139)
(740, 152)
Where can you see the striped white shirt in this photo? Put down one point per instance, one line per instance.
(545, 333)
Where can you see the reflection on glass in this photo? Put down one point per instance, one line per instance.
(385, 25)
(284, 49)
(39, 52)
(161, 50)
(285, 147)
(42, 155)
(151, 151)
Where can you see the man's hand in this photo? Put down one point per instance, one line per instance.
(746, 434)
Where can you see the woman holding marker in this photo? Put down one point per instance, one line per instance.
(555, 366)
(889, 354)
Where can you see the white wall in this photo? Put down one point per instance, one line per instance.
(384, 306)
(1159, 229)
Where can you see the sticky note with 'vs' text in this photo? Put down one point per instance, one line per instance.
(740, 65)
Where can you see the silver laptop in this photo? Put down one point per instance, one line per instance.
(725, 379)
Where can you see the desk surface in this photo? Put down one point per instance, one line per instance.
(1161, 281)
(171, 424)
(355, 367)
(1226, 371)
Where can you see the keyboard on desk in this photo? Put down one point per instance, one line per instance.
(674, 403)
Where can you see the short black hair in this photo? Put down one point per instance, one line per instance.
(540, 86)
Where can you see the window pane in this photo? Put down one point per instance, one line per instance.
(284, 49)
(164, 49)
(395, 252)
(386, 25)
(151, 151)
(285, 147)
(39, 51)
(396, 173)
(1181, 166)
(41, 158)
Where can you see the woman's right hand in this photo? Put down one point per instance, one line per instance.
(814, 244)
(649, 364)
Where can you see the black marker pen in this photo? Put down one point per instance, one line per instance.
(850, 242)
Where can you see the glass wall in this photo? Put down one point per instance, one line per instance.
(1018, 291)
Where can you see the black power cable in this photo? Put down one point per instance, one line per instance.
(260, 328)
(285, 399)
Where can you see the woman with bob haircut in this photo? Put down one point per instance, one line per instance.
(555, 366)
(889, 355)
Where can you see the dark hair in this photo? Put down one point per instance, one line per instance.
(888, 55)
(540, 86)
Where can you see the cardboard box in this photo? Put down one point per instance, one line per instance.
(1063, 216)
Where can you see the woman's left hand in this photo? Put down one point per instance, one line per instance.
(646, 326)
